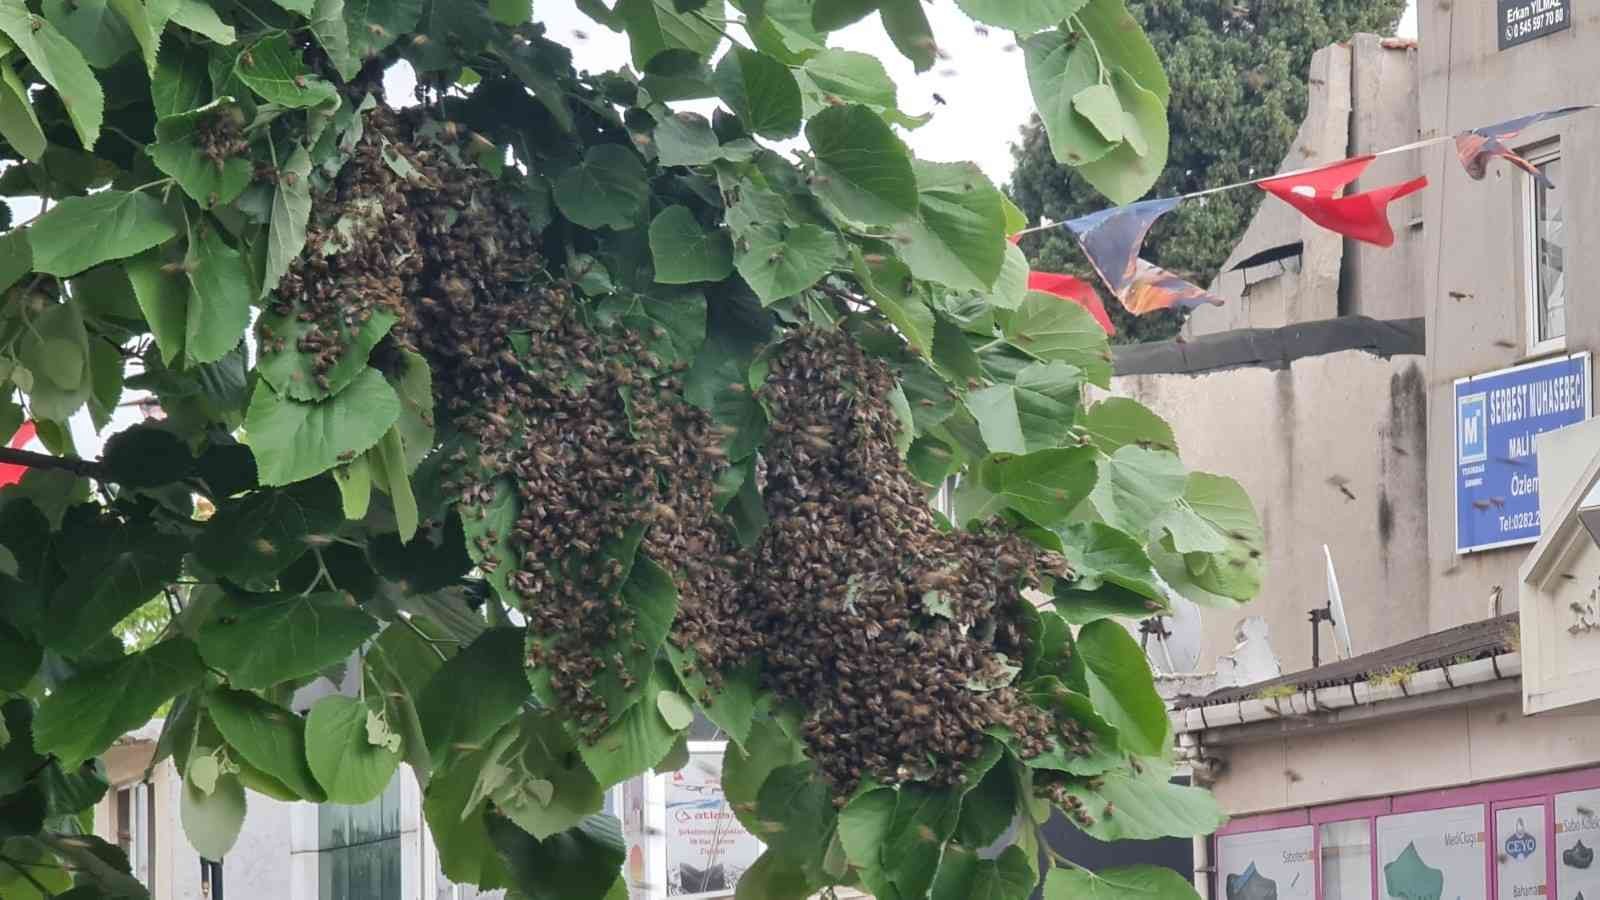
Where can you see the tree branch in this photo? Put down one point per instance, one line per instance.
(85, 468)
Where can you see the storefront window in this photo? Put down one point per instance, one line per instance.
(358, 848)
(1347, 860)
(1267, 865)
(1433, 855)
(1577, 835)
(1521, 869)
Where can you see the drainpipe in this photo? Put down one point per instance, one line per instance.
(1189, 748)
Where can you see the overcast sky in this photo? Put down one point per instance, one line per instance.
(982, 82)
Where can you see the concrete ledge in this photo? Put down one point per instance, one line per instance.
(1271, 348)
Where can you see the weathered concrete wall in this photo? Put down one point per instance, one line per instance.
(1292, 437)
(1385, 282)
(1463, 745)
(1473, 267)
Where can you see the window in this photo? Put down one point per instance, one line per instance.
(1545, 238)
(1347, 860)
(358, 848)
(135, 830)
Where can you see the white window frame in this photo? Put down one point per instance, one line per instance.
(1548, 152)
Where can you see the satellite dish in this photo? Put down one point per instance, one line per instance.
(1341, 622)
(1172, 641)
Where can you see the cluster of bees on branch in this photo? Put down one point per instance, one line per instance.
(898, 637)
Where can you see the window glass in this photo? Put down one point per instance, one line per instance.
(1267, 865)
(1432, 855)
(1521, 854)
(1549, 253)
(358, 848)
(1347, 860)
(1577, 834)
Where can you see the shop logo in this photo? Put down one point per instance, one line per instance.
(1521, 844)
(1472, 429)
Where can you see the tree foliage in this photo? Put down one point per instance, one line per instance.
(1238, 74)
(574, 416)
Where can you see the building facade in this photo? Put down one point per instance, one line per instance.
(1453, 750)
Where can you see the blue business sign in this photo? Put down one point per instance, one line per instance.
(1497, 474)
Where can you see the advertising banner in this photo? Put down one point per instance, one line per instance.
(1521, 861)
(706, 847)
(1497, 474)
(1268, 865)
(1433, 855)
(1577, 835)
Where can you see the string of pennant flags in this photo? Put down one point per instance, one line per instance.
(1112, 239)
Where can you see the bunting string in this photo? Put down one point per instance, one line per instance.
(1113, 238)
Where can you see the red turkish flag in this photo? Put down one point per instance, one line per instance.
(11, 474)
(1363, 216)
(1075, 289)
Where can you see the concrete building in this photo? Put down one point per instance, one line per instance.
(1424, 412)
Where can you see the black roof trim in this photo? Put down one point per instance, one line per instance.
(1272, 348)
(1271, 255)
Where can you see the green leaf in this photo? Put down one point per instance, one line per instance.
(181, 81)
(761, 92)
(771, 877)
(732, 704)
(1136, 487)
(332, 32)
(415, 389)
(252, 539)
(1116, 422)
(638, 740)
(293, 441)
(958, 236)
(1045, 486)
(62, 66)
(163, 297)
(399, 665)
(888, 282)
(511, 12)
(16, 257)
(1049, 329)
(476, 692)
(795, 814)
(606, 189)
(1060, 67)
(81, 232)
(686, 139)
(350, 768)
(547, 788)
(219, 297)
(1223, 505)
(272, 68)
(581, 863)
(1148, 806)
(1023, 16)
(1127, 172)
(211, 820)
(18, 124)
(199, 16)
(375, 24)
(303, 7)
(675, 710)
(94, 708)
(1034, 414)
(655, 26)
(58, 356)
(454, 807)
(178, 153)
(1128, 883)
(112, 570)
(907, 25)
(1100, 555)
(291, 211)
(963, 876)
(19, 656)
(832, 15)
(102, 36)
(1122, 687)
(684, 252)
(266, 736)
(1124, 44)
(308, 634)
(852, 77)
(781, 265)
(1099, 104)
(862, 168)
(745, 768)
(387, 469)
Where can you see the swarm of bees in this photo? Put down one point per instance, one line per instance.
(220, 136)
(900, 638)
(892, 632)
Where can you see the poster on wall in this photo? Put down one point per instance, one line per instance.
(1268, 865)
(1497, 473)
(706, 847)
(1577, 834)
(1433, 855)
(633, 835)
(1522, 855)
